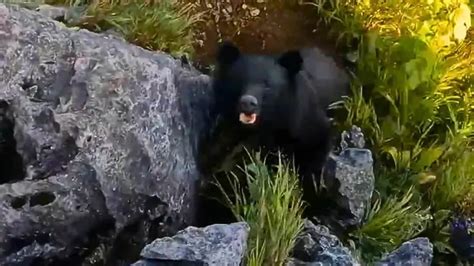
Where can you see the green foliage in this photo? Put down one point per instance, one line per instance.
(165, 25)
(454, 186)
(66, 2)
(272, 207)
(389, 224)
(438, 231)
(413, 97)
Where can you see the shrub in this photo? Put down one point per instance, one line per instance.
(413, 96)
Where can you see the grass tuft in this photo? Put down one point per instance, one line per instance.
(389, 224)
(164, 25)
(270, 202)
(455, 185)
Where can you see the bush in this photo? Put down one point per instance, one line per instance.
(413, 97)
(270, 202)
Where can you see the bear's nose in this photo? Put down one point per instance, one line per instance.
(248, 104)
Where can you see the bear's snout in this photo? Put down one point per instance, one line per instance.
(248, 104)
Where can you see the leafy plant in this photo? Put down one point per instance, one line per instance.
(270, 202)
(413, 97)
(455, 184)
(389, 224)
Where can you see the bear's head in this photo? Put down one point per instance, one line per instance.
(258, 84)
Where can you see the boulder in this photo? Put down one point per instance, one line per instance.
(348, 181)
(99, 134)
(214, 245)
(418, 251)
(316, 245)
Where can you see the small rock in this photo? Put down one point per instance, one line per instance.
(352, 139)
(317, 246)
(350, 176)
(52, 12)
(218, 244)
(254, 12)
(418, 251)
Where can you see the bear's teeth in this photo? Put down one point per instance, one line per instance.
(247, 119)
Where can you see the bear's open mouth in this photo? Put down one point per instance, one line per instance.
(248, 118)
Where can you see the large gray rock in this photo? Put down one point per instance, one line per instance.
(214, 245)
(348, 179)
(416, 252)
(129, 118)
(317, 246)
(72, 201)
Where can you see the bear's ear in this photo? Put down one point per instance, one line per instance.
(292, 61)
(227, 54)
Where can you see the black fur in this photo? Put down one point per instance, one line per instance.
(290, 115)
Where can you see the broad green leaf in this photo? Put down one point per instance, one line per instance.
(428, 157)
(389, 128)
(412, 70)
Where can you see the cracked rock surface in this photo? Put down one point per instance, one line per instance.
(214, 245)
(106, 134)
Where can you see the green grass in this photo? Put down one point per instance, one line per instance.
(272, 207)
(160, 25)
(452, 187)
(389, 224)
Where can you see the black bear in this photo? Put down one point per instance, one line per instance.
(281, 100)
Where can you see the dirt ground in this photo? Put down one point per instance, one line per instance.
(267, 27)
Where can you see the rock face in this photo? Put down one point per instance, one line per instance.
(317, 246)
(418, 251)
(214, 245)
(106, 132)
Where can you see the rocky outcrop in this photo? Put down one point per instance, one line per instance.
(350, 178)
(347, 183)
(418, 251)
(317, 246)
(107, 135)
(214, 245)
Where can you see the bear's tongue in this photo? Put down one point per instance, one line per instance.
(248, 119)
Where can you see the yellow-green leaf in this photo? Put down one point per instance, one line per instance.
(428, 157)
